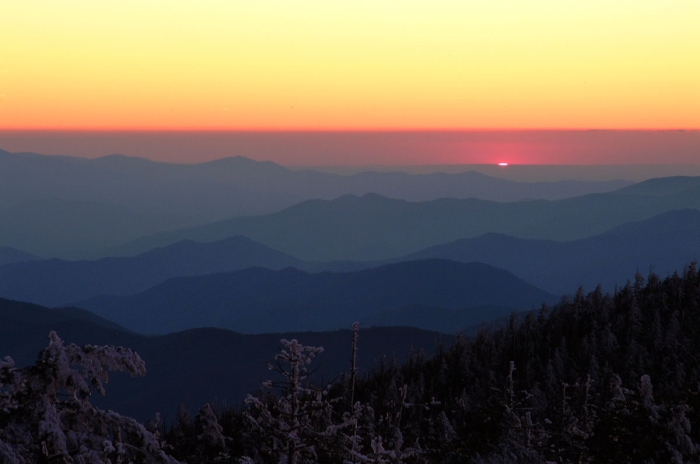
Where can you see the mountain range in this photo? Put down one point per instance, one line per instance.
(373, 227)
(663, 244)
(60, 206)
(237, 185)
(257, 300)
(56, 282)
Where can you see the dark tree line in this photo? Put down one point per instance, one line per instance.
(596, 378)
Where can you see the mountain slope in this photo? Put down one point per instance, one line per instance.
(9, 255)
(196, 366)
(259, 300)
(23, 312)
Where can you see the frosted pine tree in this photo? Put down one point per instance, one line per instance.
(46, 415)
(292, 427)
(210, 438)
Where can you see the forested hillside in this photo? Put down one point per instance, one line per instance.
(598, 378)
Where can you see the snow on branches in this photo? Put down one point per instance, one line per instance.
(293, 425)
(307, 424)
(45, 413)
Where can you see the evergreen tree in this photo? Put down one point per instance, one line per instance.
(46, 415)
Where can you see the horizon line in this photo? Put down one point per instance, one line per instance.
(363, 166)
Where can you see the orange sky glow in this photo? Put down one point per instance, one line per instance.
(360, 65)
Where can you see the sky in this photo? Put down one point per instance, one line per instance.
(361, 65)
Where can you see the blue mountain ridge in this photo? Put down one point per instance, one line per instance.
(664, 244)
(257, 300)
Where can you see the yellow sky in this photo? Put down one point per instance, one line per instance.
(376, 64)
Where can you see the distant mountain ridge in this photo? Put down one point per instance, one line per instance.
(663, 186)
(373, 227)
(257, 300)
(245, 186)
(663, 244)
(56, 282)
(101, 203)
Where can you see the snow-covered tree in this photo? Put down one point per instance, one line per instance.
(46, 415)
(367, 445)
(292, 426)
